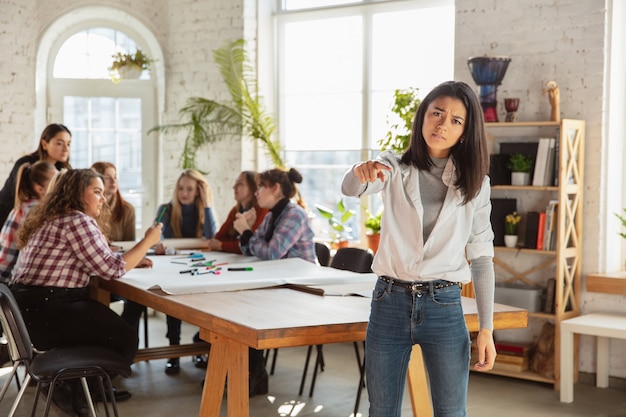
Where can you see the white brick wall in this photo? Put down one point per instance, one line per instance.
(561, 40)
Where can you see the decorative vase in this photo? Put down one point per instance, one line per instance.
(520, 178)
(372, 241)
(510, 241)
(488, 73)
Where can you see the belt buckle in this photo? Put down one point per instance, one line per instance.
(417, 287)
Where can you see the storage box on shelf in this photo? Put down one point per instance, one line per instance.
(558, 261)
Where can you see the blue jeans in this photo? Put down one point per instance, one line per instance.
(432, 318)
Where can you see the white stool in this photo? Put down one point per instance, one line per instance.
(601, 325)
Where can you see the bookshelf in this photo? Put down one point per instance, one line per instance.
(563, 262)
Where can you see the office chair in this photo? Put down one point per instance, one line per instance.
(355, 260)
(58, 364)
(322, 250)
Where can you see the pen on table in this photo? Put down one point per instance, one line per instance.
(188, 271)
(210, 271)
(247, 268)
(161, 214)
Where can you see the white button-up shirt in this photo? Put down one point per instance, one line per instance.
(461, 232)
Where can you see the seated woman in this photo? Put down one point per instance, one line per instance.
(284, 233)
(32, 184)
(61, 246)
(121, 228)
(188, 214)
(227, 238)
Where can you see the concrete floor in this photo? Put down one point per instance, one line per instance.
(156, 394)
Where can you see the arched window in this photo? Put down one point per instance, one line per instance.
(109, 121)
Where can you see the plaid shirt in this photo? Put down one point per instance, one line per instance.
(8, 239)
(65, 252)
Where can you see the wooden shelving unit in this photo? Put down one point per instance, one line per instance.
(563, 263)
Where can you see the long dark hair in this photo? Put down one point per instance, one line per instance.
(471, 155)
(48, 133)
(251, 180)
(287, 180)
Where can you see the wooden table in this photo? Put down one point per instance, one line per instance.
(277, 318)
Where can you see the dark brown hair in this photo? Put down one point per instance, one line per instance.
(48, 133)
(287, 180)
(471, 155)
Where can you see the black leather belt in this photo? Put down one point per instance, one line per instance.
(419, 285)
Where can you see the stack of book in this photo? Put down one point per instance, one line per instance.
(511, 356)
(541, 228)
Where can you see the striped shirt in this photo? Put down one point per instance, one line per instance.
(65, 252)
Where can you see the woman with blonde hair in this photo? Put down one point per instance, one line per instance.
(187, 215)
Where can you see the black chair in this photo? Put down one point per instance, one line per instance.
(355, 260)
(58, 364)
(322, 250)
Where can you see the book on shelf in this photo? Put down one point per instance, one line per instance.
(548, 305)
(513, 348)
(557, 156)
(550, 233)
(499, 174)
(542, 164)
(530, 235)
(541, 226)
(549, 170)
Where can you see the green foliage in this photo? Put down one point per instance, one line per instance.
(207, 121)
(623, 220)
(138, 59)
(400, 122)
(520, 163)
(337, 220)
(372, 223)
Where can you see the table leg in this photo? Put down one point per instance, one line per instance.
(567, 365)
(418, 385)
(227, 358)
(602, 362)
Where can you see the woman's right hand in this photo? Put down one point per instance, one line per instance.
(369, 171)
(153, 234)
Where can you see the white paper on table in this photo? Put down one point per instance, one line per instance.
(165, 275)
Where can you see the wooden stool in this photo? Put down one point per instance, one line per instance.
(601, 325)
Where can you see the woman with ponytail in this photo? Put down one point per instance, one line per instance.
(32, 184)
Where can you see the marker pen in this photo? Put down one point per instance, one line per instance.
(188, 271)
(210, 271)
(247, 268)
(161, 214)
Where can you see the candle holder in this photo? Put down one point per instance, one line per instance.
(488, 73)
(511, 105)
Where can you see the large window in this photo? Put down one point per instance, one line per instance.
(108, 121)
(339, 64)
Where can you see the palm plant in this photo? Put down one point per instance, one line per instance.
(207, 121)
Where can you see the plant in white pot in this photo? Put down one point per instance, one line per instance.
(129, 66)
(521, 166)
(511, 221)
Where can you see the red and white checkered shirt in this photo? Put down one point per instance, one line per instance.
(65, 252)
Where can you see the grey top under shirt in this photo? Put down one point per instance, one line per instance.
(433, 192)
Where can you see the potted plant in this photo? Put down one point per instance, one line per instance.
(372, 224)
(129, 65)
(400, 122)
(511, 221)
(338, 223)
(207, 121)
(520, 165)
